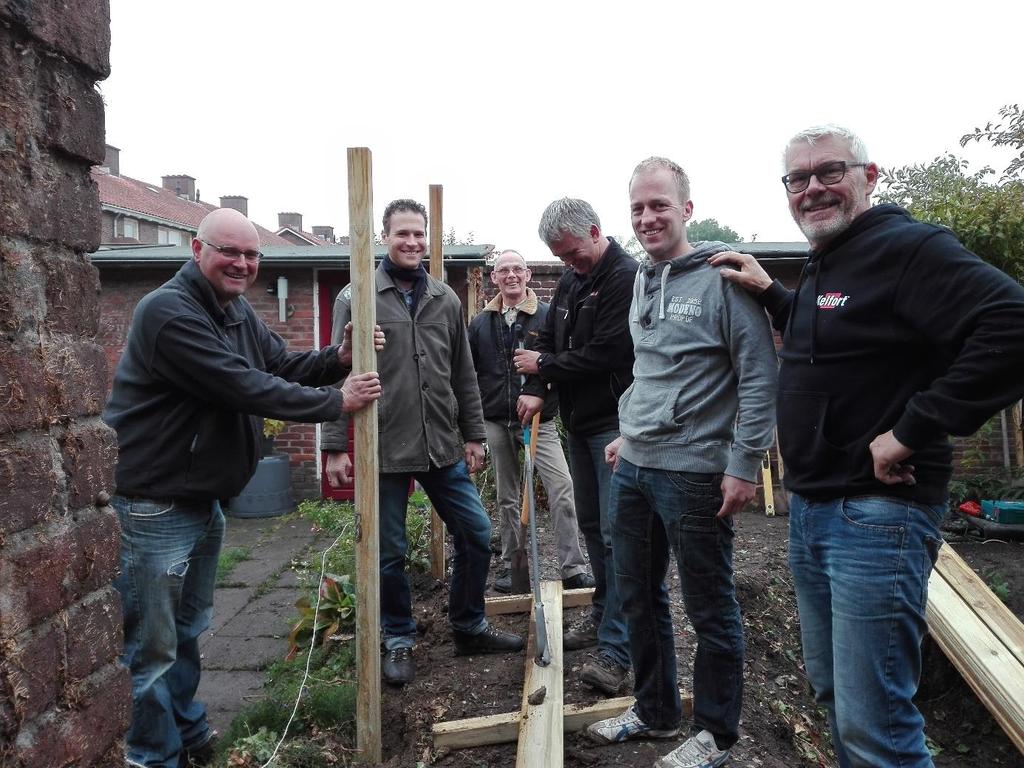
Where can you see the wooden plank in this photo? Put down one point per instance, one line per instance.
(364, 358)
(540, 726)
(992, 671)
(504, 728)
(989, 608)
(437, 569)
(571, 598)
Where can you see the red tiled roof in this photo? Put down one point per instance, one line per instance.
(314, 240)
(159, 203)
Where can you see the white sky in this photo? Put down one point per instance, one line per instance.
(511, 105)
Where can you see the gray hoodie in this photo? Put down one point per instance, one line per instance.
(705, 363)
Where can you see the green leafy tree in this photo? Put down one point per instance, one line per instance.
(710, 229)
(1009, 133)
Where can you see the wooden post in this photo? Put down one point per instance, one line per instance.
(436, 272)
(364, 358)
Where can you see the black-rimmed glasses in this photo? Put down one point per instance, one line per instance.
(233, 253)
(827, 174)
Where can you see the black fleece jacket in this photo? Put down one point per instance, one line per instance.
(893, 325)
(588, 344)
(192, 384)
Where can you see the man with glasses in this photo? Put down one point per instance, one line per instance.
(585, 349)
(895, 337)
(511, 318)
(198, 371)
(431, 429)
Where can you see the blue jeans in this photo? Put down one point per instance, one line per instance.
(169, 552)
(591, 481)
(656, 511)
(457, 502)
(861, 566)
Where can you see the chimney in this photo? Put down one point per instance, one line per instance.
(238, 202)
(112, 159)
(291, 220)
(182, 185)
(324, 233)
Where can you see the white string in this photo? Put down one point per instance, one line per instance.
(309, 656)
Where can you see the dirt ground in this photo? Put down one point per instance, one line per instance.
(781, 726)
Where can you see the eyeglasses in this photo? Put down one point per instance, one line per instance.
(505, 270)
(827, 173)
(253, 257)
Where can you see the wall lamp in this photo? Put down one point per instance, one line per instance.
(280, 289)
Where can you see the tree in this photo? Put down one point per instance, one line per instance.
(986, 215)
(451, 238)
(710, 229)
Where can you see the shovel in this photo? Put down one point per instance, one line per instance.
(543, 656)
(520, 566)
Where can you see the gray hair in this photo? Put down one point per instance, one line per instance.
(567, 216)
(815, 132)
(678, 174)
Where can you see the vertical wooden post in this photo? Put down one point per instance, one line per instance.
(364, 358)
(436, 272)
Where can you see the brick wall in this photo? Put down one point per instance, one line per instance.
(64, 698)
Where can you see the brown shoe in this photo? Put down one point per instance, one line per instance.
(604, 673)
(582, 634)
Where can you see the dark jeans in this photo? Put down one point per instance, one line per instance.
(591, 479)
(653, 511)
(169, 554)
(457, 502)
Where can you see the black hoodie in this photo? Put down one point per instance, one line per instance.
(893, 325)
(190, 375)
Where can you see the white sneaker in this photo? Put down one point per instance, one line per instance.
(628, 725)
(698, 751)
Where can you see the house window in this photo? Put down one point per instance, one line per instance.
(130, 228)
(165, 236)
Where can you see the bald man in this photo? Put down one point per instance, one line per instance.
(198, 373)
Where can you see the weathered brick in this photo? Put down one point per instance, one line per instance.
(72, 293)
(27, 400)
(96, 555)
(22, 291)
(35, 568)
(74, 115)
(78, 30)
(31, 668)
(81, 736)
(94, 630)
(89, 451)
(76, 373)
(28, 483)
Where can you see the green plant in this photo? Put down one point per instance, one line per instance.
(336, 611)
(272, 427)
(229, 558)
(252, 750)
(999, 586)
(417, 531)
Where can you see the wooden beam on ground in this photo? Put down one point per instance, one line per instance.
(540, 724)
(364, 358)
(437, 272)
(571, 598)
(504, 728)
(981, 639)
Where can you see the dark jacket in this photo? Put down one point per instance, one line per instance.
(429, 405)
(893, 325)
(492, 343)
(192, 385)
(590, 349)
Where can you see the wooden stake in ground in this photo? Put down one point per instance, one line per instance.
(436, 272)
(364, 358)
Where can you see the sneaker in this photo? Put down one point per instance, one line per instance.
(604, 673)
(491, 640)
(582, 634)
(626, 726)
(699, 751)
(503, 581)
(398, 667)
(580, 581)
(202, 754)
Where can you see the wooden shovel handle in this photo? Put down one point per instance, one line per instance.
(524, 516)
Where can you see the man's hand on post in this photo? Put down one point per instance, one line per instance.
(736, 494)
(338, 469)
(888, 455)
(528, 405)
(345, 350)
(747, 273)
(525, 361)
(611, 453)
(474, 456)
(359, 390)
